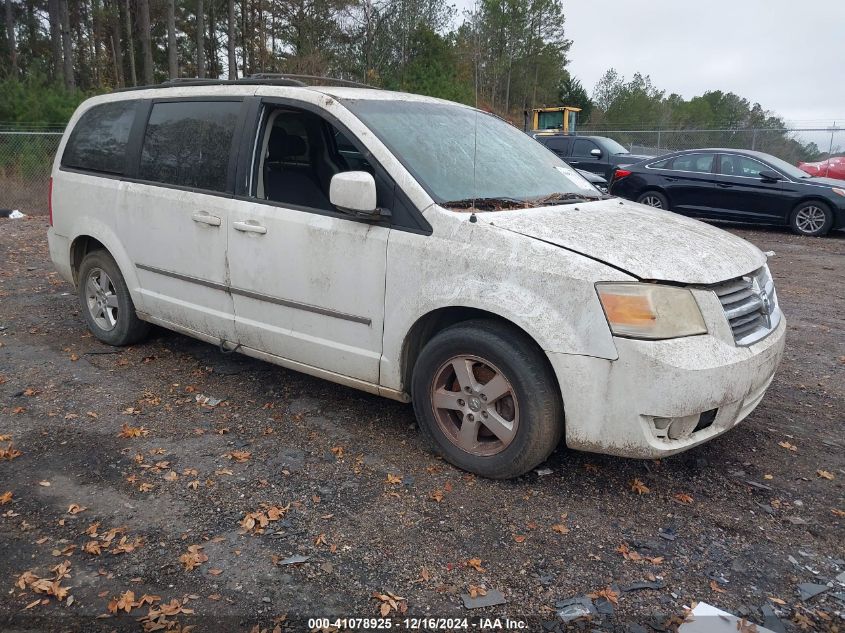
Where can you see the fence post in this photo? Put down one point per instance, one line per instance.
(658, 141)
(754, 139)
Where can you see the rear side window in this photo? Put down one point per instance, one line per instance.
(661, 164)
(556, 144)
(702, 163)
(188, 143)
(98, 141)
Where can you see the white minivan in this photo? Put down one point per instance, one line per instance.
(417, 249)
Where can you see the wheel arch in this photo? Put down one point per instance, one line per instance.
(430, 324)
(92, 234)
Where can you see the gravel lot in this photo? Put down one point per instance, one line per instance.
(344, 479)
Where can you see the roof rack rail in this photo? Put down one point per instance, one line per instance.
(263, 79)
(314, 78)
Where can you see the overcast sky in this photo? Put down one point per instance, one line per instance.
(787, 55)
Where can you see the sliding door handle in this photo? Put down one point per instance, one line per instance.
(204, 218)
(249, 227)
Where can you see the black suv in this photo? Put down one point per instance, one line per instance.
(598, 154)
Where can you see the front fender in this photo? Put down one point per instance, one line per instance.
(546, 291)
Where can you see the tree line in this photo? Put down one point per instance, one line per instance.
(503, 55)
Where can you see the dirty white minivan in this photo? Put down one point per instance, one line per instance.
(417, 249)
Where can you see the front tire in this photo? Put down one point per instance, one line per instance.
(654, 199)
(487, 400)
(812, 218)
(106, 305)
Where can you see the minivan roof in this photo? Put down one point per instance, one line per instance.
(262, 89)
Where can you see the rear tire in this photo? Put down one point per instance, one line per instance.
(487, 400)
(654, 199)
(813, 219)
(105, 301)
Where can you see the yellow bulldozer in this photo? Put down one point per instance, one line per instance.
(563, 119)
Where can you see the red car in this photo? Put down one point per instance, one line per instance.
(830, 168)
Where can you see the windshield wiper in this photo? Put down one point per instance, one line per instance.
(487, 204)
(566, 198)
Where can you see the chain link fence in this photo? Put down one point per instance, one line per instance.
(26, 158)
(793, 145)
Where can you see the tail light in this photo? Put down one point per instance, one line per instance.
(50, 200)
(619, 174)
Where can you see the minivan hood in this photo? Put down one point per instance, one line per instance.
(645, 242)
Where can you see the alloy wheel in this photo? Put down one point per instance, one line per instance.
(101, 299)
(475, 405)
(653, 201)
(810, 219)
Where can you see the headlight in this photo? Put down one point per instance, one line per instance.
(650, 311)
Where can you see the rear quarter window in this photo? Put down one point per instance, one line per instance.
(188, 143)
(99, 139)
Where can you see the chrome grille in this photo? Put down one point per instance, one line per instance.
(750, 305)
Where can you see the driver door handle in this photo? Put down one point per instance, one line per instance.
(205, 218)
(247, 227)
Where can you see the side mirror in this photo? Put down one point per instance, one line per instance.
(770, 176)
(354, 192)
(595, 152)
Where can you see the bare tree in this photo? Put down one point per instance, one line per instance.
(10, 36)
(55, 39)
(172, 59)
(144, 36)
(200, 40)
(130, 45)
(233, 61)
(64, 18)
(113, 19)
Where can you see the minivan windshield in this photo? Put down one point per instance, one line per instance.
(467, 159)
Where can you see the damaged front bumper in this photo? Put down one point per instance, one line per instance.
(663, 397)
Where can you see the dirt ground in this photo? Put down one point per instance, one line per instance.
(125, 483)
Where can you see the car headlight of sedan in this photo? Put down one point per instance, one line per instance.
(650, 311)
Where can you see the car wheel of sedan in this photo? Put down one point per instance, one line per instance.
(487, 400)
(654, 199)
(811, 218)
(106, 304)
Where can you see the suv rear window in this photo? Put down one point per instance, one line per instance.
(98, 141)
(188, 143)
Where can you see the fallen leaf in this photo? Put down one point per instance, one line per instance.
(75, 508)
(837, 512)
(607, 593)
(44, 483)
(639, 487)
(18, 410)
(5, 498)
(74, 357)
(788, 446)
(393, 479)
(475, 563)
(215, 572)
(193, 558)
(9, 453)
(682, 497)
(239, 456)
(825, 474)
(519, 538)
(338, 452)
(132, 431)
(560, 528)
(777, 600)
(437, 496)
(475, 591)
(320, 540)
(715, 587)
(171, 476)
(29, 391)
